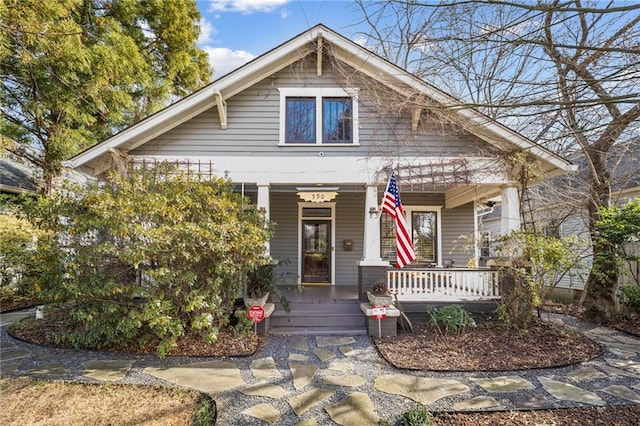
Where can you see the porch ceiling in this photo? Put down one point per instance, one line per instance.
(461, 195)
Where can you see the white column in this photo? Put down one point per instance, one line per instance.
(371, 249)
(510, 210)
(263, 203)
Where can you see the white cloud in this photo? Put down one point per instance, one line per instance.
(206, 31)
(284, 14)
(246, 6)
(224, 60)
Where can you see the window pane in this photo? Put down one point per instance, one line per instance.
(387, 238)
(336, 120)
(424, 235)
(316, 212)
(300, 120)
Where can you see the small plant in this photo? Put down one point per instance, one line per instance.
(380, 288)
(417, 416)
(450, 319)
(631, 296)
(206, 413)
(244, 326)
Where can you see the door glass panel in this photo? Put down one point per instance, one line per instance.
(316, 251)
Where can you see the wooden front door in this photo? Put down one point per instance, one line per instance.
(316, 251)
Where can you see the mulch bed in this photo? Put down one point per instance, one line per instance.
(487, 347)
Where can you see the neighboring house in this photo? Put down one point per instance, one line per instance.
(311, 130)
(571, 218)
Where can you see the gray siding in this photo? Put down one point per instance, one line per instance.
(456, 223)
(253, 121)
(284, 244)
(349, 226)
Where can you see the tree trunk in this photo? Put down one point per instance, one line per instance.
(603, 278)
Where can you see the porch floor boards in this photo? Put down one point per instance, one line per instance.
(319, 310)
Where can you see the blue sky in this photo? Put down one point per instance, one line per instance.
(236, 31)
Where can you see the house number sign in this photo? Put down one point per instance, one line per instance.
(317, 196)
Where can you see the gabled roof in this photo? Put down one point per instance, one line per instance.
(354, 55)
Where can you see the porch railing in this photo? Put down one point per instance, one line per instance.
(446, 284)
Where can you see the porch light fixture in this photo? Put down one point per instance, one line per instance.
(373, 211)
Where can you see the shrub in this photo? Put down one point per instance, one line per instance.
(417, 416)
(450, 319)
(149, 256)
(17, 248)
(631, 296)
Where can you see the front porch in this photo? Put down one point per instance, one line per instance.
(336, 310)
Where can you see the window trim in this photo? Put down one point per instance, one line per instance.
(408, 210)
(319, 93)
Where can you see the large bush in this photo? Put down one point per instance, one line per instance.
(150, 256)
(18, 240)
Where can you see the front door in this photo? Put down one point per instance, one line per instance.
(316, 251)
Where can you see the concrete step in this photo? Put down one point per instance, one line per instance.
(319, 331)
(305, 317)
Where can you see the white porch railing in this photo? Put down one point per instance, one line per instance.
(443, 284)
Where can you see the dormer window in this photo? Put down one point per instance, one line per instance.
(318, 116)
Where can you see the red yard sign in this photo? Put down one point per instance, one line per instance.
(379, 312)
(255, 313)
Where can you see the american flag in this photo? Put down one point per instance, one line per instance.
(392, 205)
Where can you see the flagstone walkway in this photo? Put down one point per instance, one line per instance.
(309, 380)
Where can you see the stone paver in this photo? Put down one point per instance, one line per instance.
(347, 350)
(308, 422)
(9, 368)
(299, 343)
(420, 389)
(355, 410)
(586, 373)
(622, 392)
(476, 403)
(210, 377)
(630, 365)
(340, 366)
(323, 341)
(568, 392)
(298, 357)
(504, 384)
(612, 371)
(309, 399)
(348, 380)
(14, 353)
(264, 388)
(264, 368)
(46, 371)
(323, 354)
(265, 412)
(302, 373)
(107, 370)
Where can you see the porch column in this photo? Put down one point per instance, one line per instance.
(371, 249)
(263, 203)
(510, 210)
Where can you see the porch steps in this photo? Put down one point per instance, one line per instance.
(328, 317)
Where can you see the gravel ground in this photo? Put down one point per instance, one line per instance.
(367, 363)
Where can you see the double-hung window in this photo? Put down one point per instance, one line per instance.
(318, 116)
(424, 227)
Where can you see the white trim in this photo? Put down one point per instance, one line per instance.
(318, 93)
(280, 57)
(332, 219)
(408, 209)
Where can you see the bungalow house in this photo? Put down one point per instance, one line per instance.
(311, 132)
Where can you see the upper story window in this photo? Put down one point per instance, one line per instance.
(318, 116)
